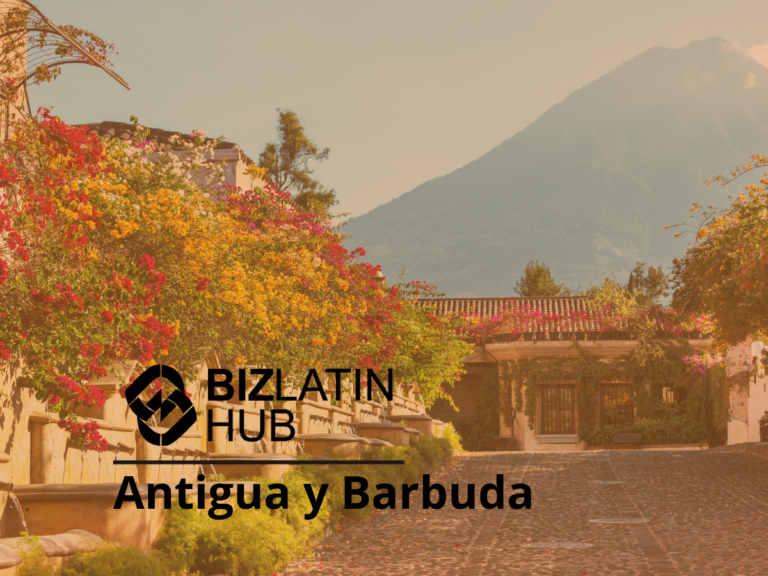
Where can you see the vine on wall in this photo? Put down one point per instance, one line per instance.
(701, 390)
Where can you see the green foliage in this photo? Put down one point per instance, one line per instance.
(287, 164)
(429, 349)
(537, 282)
(108, 559)
(723, 272)
(452, 436)
(612, 294)
(653, 366)
(477, 429)
(514, 386)
(682, 429)
(647, 286)
(113, 560)
(196, 542)
(251, 542)
(527, 374)
(34, 559)
(419, 457)
(246, 544)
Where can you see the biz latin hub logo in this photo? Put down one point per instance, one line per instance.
(220, 494)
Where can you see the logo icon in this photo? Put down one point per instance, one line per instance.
(177, 399)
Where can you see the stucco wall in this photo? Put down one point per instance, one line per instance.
(748, 404)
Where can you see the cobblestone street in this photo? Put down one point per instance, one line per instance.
(623, 512)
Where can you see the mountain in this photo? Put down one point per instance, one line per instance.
(588, 187)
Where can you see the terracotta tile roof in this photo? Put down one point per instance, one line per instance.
(577, 315)
(488, 307)
(124, 131)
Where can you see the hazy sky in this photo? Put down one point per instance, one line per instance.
(400, 91)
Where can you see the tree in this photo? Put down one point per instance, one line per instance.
(537, 282)
(287, 164)
(647, 286)
(724, 273)
(33, 50)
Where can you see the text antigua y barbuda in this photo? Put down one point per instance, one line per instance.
(223, 496)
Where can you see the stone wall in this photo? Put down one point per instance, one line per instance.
(37, 456)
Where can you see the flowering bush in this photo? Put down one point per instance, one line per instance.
(724, 273)
(699, 364)
(124, 251)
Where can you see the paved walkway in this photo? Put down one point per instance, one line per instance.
(687, 512)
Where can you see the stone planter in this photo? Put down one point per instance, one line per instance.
(247, 470)
(253, 419)
(347, 446)
(183, 452)
(51, 509)
(438, 427)
(55, 460)
(420, 422)
(115, 407)
(375, 443)
(413, 435)
(58, 548)
(394, 433)
(9, 560)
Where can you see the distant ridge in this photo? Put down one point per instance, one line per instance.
(588, 186)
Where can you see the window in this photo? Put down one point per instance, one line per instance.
(558, 410)
(668, 395)
(616, 405)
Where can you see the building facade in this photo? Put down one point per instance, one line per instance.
(554, 425)
(228, 155)
(749, 393)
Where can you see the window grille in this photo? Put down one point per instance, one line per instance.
(616, 405)
(558, 410)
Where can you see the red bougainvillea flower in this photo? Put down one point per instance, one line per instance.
(87, 432)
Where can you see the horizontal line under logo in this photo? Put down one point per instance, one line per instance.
(255, 462)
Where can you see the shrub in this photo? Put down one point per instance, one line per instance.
(453, 438)
(253, 542)
(34, 559)
(248, 543)
(113, 560)
(679, 430)
(434, 452)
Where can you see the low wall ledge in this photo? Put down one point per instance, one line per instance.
(246, 410)
(162, 430)
(8, 558)
(48, 418)
(407, 417)
(71, 492)
(378, 426)
(326, 407)
(335, 436)
(65, 544)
